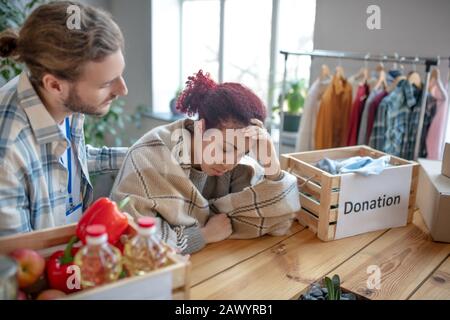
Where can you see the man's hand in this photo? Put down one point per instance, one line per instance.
(217, 228)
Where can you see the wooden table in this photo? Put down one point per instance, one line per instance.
(410, 264)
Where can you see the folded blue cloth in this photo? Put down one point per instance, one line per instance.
(362, 165)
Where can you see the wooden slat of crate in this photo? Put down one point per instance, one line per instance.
(324, 210)
(413, 192)
(406, 257)
(312, 173)
(37, 240)
(307, 186)
(369, 152)
(217, 257)
(283, 271)
(309, 203)
(307, 171)
(336, 153)
(437, 286)
(312, 222)
(314, 207)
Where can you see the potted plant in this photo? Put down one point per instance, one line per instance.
(329, 289)
(295, 99)
(173, 102)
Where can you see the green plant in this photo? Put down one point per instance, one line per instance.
(327, 289)
(113, 124)
(13, 15)
(334, 287)
(296, 96)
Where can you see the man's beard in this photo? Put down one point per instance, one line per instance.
(75, 104)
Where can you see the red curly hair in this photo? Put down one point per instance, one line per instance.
(217, 103)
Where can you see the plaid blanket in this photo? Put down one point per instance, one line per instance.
(156, 172)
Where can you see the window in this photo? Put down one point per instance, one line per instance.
(187, 37)
(247, 43)
(200, 38)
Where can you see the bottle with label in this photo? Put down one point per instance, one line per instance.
(144, 252)
(99, 261)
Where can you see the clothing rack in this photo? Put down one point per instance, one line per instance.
(341, 55)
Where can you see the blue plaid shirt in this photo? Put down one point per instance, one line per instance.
(33, 182)
(397, 120)
(399, 105)
(390, 128)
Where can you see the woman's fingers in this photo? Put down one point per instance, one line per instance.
(257, 122)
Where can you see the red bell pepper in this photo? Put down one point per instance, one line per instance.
(57, 265)
(105, 212)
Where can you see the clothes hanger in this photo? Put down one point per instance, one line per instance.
(399, 78)
(366, 68)
(434, 77)
(414, 76)
(324, 72)
(339, 70)
(363, 74)
(381, 82)
(435, 74)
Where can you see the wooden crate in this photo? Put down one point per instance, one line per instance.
(319, 190)
(50, 240)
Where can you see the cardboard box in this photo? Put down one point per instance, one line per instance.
(446, 161)
(433, 199)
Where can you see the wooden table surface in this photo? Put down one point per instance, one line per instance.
(411, 266)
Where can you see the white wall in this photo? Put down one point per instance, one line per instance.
(134, 19)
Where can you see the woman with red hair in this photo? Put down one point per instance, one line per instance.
(213, 178)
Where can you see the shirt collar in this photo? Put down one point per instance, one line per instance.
(44, 127)
(410, 92)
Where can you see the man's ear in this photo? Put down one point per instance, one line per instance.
(54, 85)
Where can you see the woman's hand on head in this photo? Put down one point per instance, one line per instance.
(217, 228)
(262, 146)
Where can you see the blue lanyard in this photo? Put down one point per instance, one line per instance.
(69, 162)
(69, 168)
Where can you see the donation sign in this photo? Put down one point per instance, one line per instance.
(375, 202)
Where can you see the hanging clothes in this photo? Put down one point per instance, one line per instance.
(355, 117)
(305, 138)
(362, 139)
(400, 106)
(436, 132)
(334, 114)
(413, 125)
(371, 136)
(391, 125)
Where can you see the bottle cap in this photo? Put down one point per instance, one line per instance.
(146, 222)
(95, 230)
